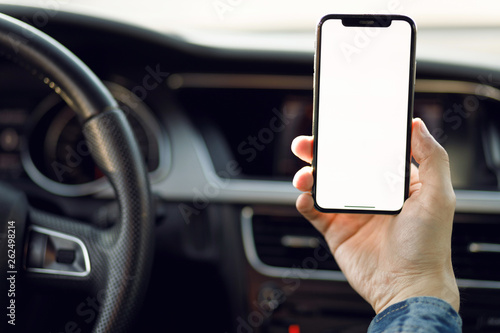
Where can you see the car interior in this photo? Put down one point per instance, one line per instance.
(220, 246)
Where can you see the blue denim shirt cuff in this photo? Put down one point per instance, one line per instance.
(417, 314)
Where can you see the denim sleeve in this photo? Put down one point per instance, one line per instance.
(417, 315)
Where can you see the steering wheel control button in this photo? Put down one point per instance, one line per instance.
(52, 252)
(66, 256)
(36, 250)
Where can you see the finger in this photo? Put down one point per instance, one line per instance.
(337, 228)
(414, 179)
(414, 175)
(305, 206)
(303, 179)
(302, 147)
(434, 170)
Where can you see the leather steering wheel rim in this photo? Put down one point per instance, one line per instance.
(121, 256)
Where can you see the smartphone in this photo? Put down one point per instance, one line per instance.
(363, 108)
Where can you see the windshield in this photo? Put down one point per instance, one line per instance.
(273, 15)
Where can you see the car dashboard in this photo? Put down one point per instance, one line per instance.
(214, 126)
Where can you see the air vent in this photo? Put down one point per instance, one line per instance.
(290, 241)
(476, 251)
(279, 241)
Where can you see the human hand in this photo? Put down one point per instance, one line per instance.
(389, 258)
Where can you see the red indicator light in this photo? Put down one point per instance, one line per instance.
(294, 329)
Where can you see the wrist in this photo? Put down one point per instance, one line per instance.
(442, 287)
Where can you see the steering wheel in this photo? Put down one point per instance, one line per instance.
(42, 249)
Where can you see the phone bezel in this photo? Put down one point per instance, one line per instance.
(411, 84)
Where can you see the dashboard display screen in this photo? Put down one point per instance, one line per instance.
(256, 128)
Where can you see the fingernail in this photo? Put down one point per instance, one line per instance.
(294, 181)
(294, 144)
(423, 129)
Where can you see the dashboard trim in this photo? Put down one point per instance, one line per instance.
(74, 239)
(239, 81)
(314, 274)
(457, 87)
(191, 156)
(298, 82)
(279, 192)
(279, 272)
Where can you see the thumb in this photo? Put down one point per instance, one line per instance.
(434, 170)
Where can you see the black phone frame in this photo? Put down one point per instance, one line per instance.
(377, 20)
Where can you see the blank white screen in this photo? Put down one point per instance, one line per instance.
(362, 116)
